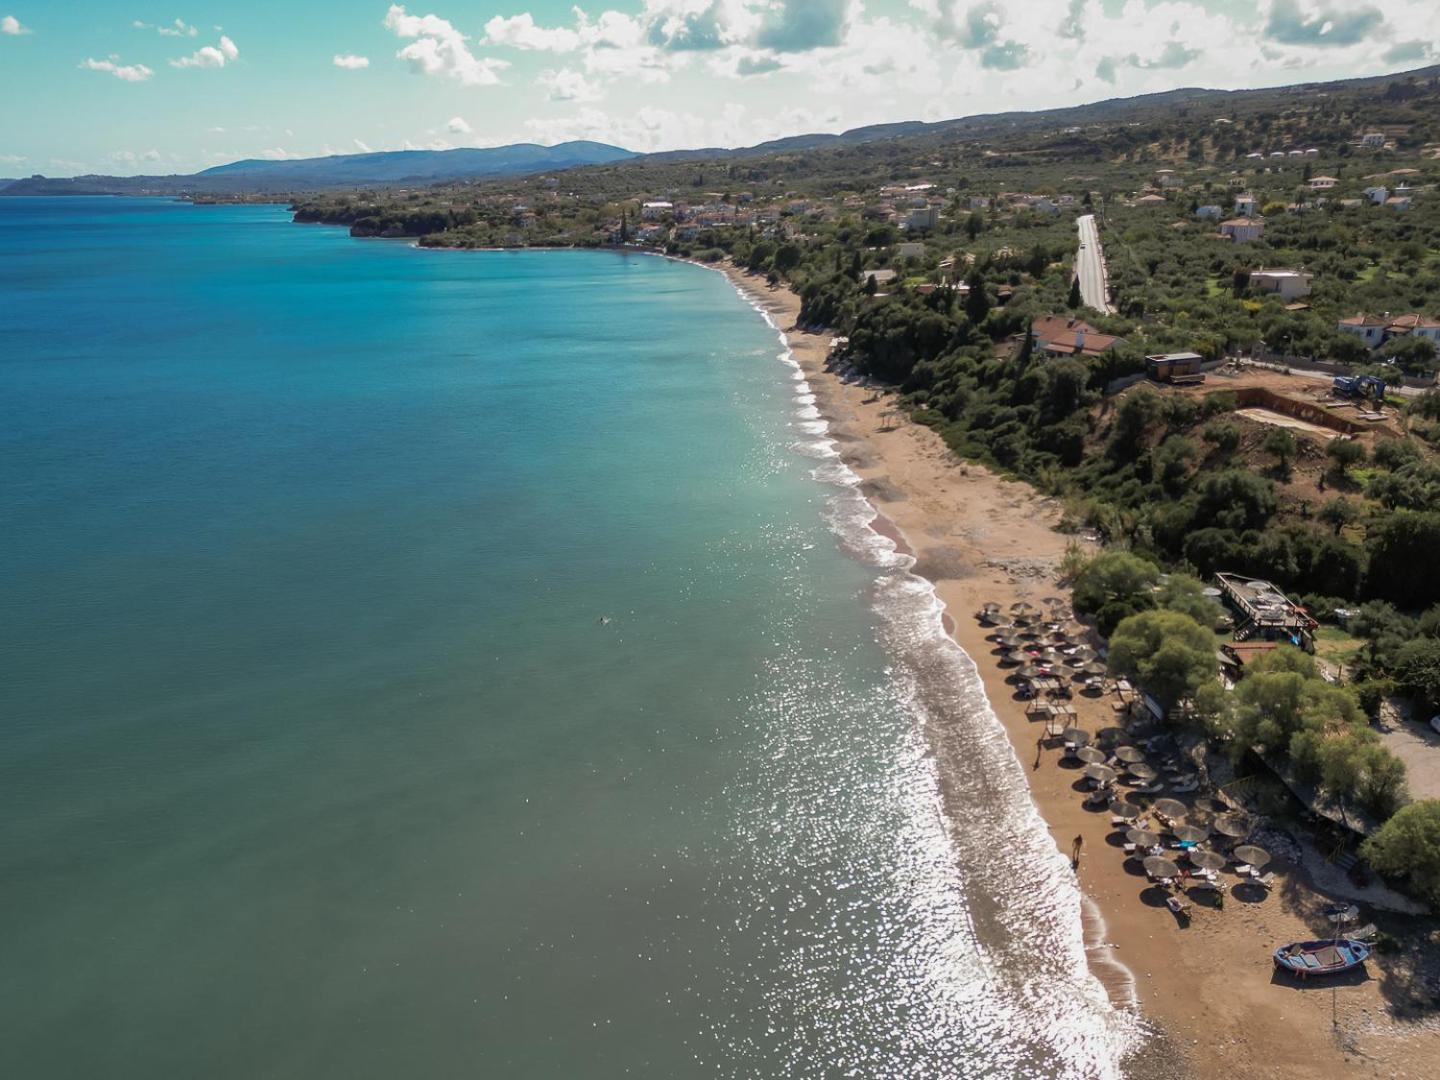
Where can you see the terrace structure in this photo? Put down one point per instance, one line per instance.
(1263, 612)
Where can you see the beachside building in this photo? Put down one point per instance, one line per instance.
(1151, 200)
(1245, 205)
(1057, 335)
(1398, 202)
(1263, 613)
(1208, 211)
(1368, 328)
(1377, 194)
(654, 211)
(1322, 183)
(1286, 284)
(1373, 140)
(1243, 230)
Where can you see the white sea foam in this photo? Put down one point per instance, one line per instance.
(1019, 913)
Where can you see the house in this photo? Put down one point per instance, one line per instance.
(880, 277)
(1368, 328)
(1208, 211)
(979, 202)
(1312, 151)
(1416, 325)
(654, 211)
(1175, 367)
(1398, 202)
(1264, 613)
(1243, 230)
(1322, 183)
(1151, 200)
(1286, 284)
(921, 217)
(1056, 335)
(912, 250)
(1245, 205)
(1377, 195)
(1373, 140)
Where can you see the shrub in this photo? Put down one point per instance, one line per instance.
(1408, 847)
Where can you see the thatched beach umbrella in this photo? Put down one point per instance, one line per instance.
(1144, 772)
(1033, 671)
(1157, 866)
(1231, 825)
(1192, 834)
(1101, 774)
(1021, 607)
(1090, 755)
(1111, 735)
(1128, 810)
(1171, 808)
(1206, 860)
(1249, 853)
(1142, 837)
(1095, 667)
(1130, 755)
(1078, 736)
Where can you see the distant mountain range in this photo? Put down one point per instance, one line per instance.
(386, 168)
(253, 177)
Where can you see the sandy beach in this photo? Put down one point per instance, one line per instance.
(1208, 989)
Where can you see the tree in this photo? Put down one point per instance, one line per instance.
(1408, 847)
(1337, 513)
(977, 302)
(1403, 567)
(1345, 453)
(1167, 653)
(1236, 499)
(1417, 671)
(1114, 585)
(1280, 445)
(1073, 301)
(974, 224)
(1185, 594)
(787, 257)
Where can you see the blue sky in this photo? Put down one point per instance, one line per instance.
(126, 86)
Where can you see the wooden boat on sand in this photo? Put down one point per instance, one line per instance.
(1306, 958)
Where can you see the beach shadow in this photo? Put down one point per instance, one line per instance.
(1247, 892)
(1354, 977)
(1116, 839)
(1136, 868)
(1206, 897)
(1154, 896)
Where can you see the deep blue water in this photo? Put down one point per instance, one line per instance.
(443, 664)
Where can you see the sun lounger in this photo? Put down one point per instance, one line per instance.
(1265, 881)
(1365, 933)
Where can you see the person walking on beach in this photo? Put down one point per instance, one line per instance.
(1075, 847)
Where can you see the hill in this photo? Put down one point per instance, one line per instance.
(254, 176)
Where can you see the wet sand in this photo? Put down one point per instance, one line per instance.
(1208, 989)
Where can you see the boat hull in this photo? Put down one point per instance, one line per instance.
(1312, 958)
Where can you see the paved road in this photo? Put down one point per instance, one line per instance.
(1090, 263)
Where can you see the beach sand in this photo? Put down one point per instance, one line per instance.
(1208, 989)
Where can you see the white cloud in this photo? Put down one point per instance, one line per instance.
(276, 153)
(520, 32)
(12, 26)
(179, 28)
(567, 85)
(363, 147)
(13, 159)
(351, 62)
(209, 56)
(440, 49)
(458, 125)
(112, 66)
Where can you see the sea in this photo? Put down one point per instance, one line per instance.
(445, 664)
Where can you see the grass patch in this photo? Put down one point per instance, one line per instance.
(1335, 645)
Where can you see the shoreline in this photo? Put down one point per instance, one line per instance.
(1206, 994)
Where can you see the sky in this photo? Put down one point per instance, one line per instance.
(132, 86)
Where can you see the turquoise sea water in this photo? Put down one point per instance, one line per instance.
(442, 664)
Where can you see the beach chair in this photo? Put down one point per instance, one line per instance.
(1265, 881)
(1180, 907)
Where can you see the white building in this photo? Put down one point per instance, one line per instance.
(1245, 205)
(1286, 284)
(654, 211)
